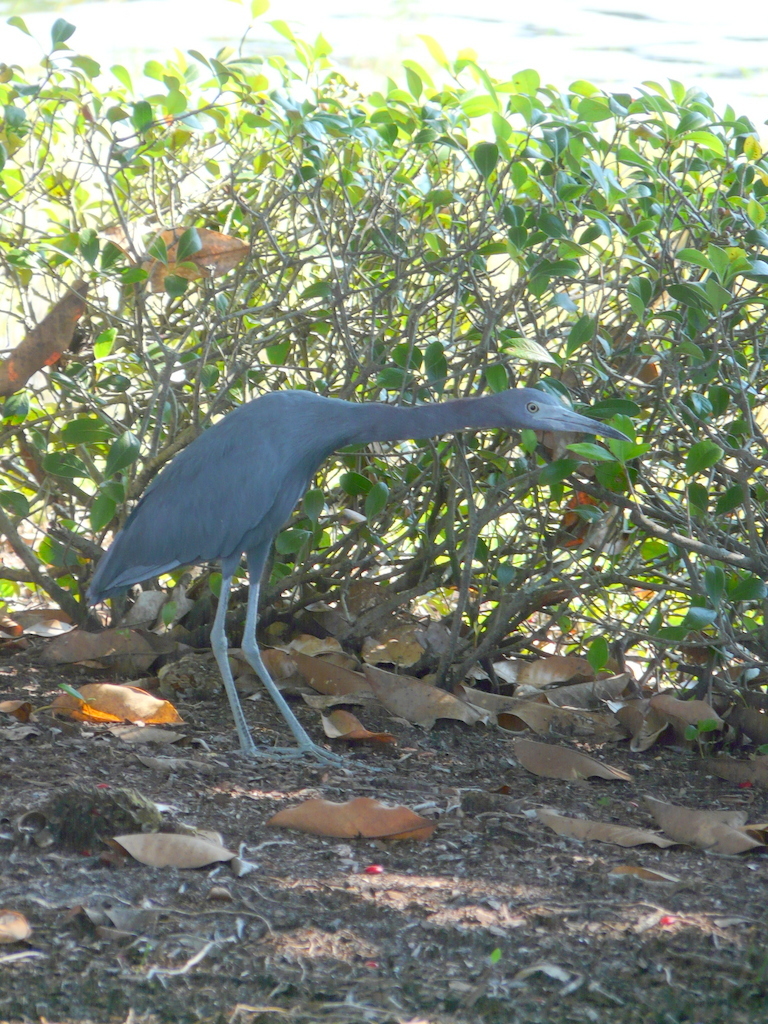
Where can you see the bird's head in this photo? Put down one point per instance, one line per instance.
(527, 408)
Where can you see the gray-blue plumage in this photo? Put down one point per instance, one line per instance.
(229, 492)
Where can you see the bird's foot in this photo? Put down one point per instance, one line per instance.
(293, 753)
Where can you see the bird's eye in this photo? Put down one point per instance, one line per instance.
(532, 407)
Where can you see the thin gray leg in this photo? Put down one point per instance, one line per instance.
(219, 645)
(253, 657)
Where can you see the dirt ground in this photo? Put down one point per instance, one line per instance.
(493, 919)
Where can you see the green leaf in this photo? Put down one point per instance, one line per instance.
(557, 471)
(104, 343)
(142, 115)
(89, 245)
(435, 50)
(699, 618)
(714, 583)
(376, 500)
(188, 244)
(435, 364)
(749, 589)
(486, 156)
(259, 7)
(16, 407)
(175, 286)
(702, 455)
(61, 31)
(597, 655)
(355, 483)
(591, 451)
(123, 453)
(14, 502)
(277, 354)
(85, 430)
(708, 140)
(583, 331)
(64, 464)
(102, 512)
(289, 542)
(693, 295)
(524, 348)
(19, 23)
(121, 74)
(610, 407)
(314, 503)
(497, 377)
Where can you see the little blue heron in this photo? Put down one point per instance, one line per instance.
(230, 491)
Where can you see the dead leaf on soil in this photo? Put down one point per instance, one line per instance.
(45, 344)
(166, 850)
(399, 646)
(146, 734)
(682, 713)
(599, 831)
(325, 677)
(175, 764)
(418, 702)
(131, 651)
(342, 725)
(558, 668)
(14, 927)
(545, 720)
(591, 695)
(362, 817)
(715, 831)
(323, 701)
(751, 722)
(645, 874)
(555, 762)
(644, 723)
(146, 608)
(312, 646)
(109, 702)
(754, 771)
(494, 703)
(20, 709)
(17, 733)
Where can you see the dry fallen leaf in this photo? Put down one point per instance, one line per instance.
(599, 831)
(313, 646)
(325, 677)
(217, 255)
(146, 734)
(751, 722)
(14, 927)
(109, 702)
(590, 695)
(556, 669)
(555, 762)
(166, 850)
(45, 344)
(644, 723)
(131, 651)
(418, 702)
(342, 725)
(754, 770)
(361, 817)
(545, 720)
(399, 645)
(715, 831)
(20, 709)
(645, 874)
(682, 713)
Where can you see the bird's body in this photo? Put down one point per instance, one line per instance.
(229, 492)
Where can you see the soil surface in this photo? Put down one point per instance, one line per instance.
(493, 919)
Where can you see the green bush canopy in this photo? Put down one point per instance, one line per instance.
(254, 223)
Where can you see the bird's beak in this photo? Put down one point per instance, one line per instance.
(573, 422)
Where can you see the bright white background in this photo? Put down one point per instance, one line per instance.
(616, 43)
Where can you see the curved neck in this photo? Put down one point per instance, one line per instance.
(377, 422)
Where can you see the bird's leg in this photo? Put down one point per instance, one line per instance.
(219, 646)
(253, 657)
